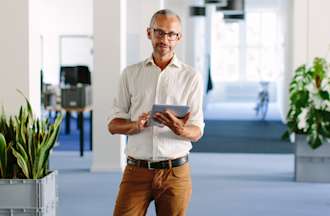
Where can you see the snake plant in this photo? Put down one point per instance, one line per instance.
(25, 144)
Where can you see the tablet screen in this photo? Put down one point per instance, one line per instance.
(179, 110)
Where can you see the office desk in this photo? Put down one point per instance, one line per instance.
(80, 112)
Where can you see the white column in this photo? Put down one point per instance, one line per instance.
(290, 16)
(208, 54)
(311, 32)
(195, 40)
(318, 29)
(19, 54)
(109, 61)
(139, 14)
(300, 33)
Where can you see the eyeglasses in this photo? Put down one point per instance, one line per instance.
(170, 35)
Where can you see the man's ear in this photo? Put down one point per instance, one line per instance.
(149, 33)
(180, 37)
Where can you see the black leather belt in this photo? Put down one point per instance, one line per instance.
(158, 165)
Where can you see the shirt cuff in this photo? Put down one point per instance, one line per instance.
(118, 115)
(199, 124)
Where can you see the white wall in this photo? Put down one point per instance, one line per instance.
(318, 28)
(139, 14)
(19, 54)
(309, 37)
(62, 17)
(182, 9)
(311, 34)
(109, 61)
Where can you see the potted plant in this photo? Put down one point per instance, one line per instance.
(27, 187)
(309, 121)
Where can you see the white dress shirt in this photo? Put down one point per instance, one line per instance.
(144, 84)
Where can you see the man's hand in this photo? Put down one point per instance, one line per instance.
(140, 124)
(127, 127)
(168, 118)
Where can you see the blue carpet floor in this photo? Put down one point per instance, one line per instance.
(222, 136)
(70, 142)
(223, 185)
(243, 136)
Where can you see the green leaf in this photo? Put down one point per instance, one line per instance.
(47, 145)
(22, 133)
(21, 162)
(285, 135)
(28, 105)
(324, 95)
(21, 150)
(30, 145)
(3, 156)
(318, 120)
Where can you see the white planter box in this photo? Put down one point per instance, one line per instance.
(311, 165)
(27, 197)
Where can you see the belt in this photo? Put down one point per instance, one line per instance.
(158, 165)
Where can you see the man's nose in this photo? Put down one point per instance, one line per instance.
(164, 38)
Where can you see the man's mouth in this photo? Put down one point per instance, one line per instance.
(162, 46)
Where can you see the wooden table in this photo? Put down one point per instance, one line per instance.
(80, 122)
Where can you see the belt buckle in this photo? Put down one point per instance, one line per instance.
(149, 166)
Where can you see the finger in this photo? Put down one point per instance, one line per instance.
(144, 123)
(144, 114)
(171, 115)
(170, 111)
(186, 117)
(163, 119)
(159, 120)
(144, 117)
(155, 117)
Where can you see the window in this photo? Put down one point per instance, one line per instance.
(247, 51)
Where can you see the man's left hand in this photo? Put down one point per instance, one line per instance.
(168, 118)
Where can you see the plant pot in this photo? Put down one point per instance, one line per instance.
(28, 197)
(311, 165)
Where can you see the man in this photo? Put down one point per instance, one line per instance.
(157, 164)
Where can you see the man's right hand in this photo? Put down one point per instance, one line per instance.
(128, 127)
(140, 124)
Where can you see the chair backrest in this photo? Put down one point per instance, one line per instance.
(84, 75)
(72, 75)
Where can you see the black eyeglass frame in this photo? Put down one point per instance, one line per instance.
(159, 33)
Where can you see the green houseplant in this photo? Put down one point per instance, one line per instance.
(27, 187)
(309, 121)
(25, 144)
(309, 109)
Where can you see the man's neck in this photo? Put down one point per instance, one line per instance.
(162, 61)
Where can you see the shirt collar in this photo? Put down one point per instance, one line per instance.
(175, 61)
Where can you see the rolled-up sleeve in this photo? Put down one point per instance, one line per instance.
(195, 101)
(121, 103)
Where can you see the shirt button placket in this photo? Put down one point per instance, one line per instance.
(154, 138)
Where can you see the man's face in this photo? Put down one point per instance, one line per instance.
(163, 43)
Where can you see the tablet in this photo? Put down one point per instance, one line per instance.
(179, 110)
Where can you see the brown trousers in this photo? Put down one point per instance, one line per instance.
(170, 189)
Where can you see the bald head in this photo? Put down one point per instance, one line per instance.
(164, 12)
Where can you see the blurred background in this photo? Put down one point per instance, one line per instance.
(67, 56)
